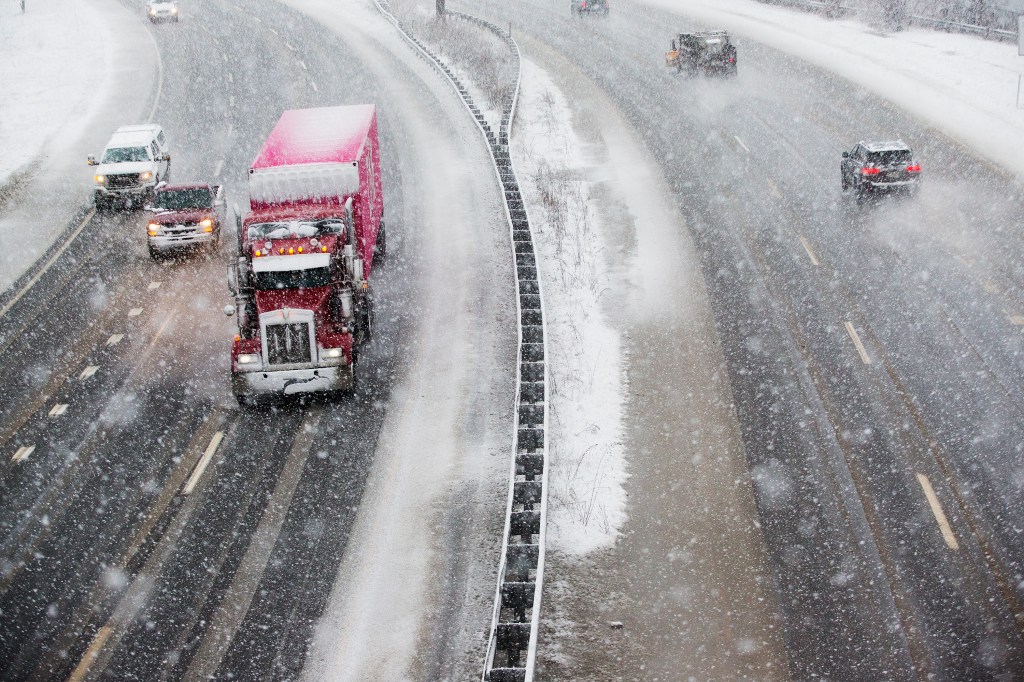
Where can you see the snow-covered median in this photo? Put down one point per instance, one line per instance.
(586, 501)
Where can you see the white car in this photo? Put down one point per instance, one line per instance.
(134, 161)
(162, 10)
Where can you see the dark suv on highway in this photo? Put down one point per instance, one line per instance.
(581, 7)
(879, 166)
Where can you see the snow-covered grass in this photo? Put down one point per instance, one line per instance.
(51, 75)
(478, 58)
(587, 503)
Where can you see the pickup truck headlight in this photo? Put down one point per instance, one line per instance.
(153, 228)
(206, 224)
(249, 360)
(100, 179)
(146, 176)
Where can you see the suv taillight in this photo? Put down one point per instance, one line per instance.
(869, 171)
(914, 168)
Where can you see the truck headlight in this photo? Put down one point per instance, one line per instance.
(174, 10)
(146, 176)
(206, 224)
(153, 228)
(100, 179)
(248, 359)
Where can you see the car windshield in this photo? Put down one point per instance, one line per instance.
(293, 279)
(892, 157)
(125, 154)
(295, 228)
(179, 199)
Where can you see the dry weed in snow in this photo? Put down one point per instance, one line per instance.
(586, 504)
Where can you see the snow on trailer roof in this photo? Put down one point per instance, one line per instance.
(313, 136)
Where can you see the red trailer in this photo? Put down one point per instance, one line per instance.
(301, 279)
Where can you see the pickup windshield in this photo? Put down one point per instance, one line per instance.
(182, 199)
(293, 279)
(125, 155)
(296, 228)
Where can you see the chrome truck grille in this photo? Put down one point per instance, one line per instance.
(288, 344)
(123, 180)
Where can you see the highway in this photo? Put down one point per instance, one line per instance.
(874, 353)
(149, 528)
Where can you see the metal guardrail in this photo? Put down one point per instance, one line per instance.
(512, 643)
(835, 7)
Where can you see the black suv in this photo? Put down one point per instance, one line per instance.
(706, 52)
(581, 7)
(879, 166)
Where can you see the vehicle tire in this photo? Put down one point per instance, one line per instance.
(380, 248)
(154, 255)
(862, 194)
(246, 400)
(844, 181)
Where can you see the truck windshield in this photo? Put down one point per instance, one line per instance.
(296, 228)
(179, 199)
(125, 155)
(293, 279)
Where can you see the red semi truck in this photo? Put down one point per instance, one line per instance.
(305, 250)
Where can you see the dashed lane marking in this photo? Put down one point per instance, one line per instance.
(774, 188)
(865, 358)
(23, 452)
(289, 46)
(315, 89)
(217, 169)
(204, 461)
(940, 516)
(231, 78)
(810, 252)
(114, 339)
(740, 143)
(88, 372)
(91, 654)
(303, 65)
(272, 31)
(58, 409)
(134, 312)
(1017, 320)
(231, 101)
(153, 285)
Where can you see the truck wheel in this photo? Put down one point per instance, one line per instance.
(246, 400)
(380, 249)
(154, 255)
(846, 183)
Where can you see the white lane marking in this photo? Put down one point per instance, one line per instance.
(134, 312)
(88, 372)
(810, 252)
(288, 45)
(990, 287)
(159, 76)
(303, 65)
(58, 409)
(1017, 320)
(257, 20)
(231, 78)
(91, 654)
(940, 516)
(774, 188)
(23, 452)
(273, 31)
(315, 89)
(217, 169)
(114, 339)
(67, 242)
(204, 461)
(740, 142)
(231, 101)
(865, 358)
(153, 285)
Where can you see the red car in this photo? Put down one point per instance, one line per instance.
(186, 215)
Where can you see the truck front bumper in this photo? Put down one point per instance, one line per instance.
(293, 381)
(104, 194)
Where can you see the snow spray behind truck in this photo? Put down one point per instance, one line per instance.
(301, 278)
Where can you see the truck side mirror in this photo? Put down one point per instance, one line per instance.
(673, 45)
(233, 278)
(91, 160)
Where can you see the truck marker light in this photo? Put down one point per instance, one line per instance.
(300, 249)
(324, 249)
(281, 250)
(237, 338)
(258, 253)
(291, 251)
